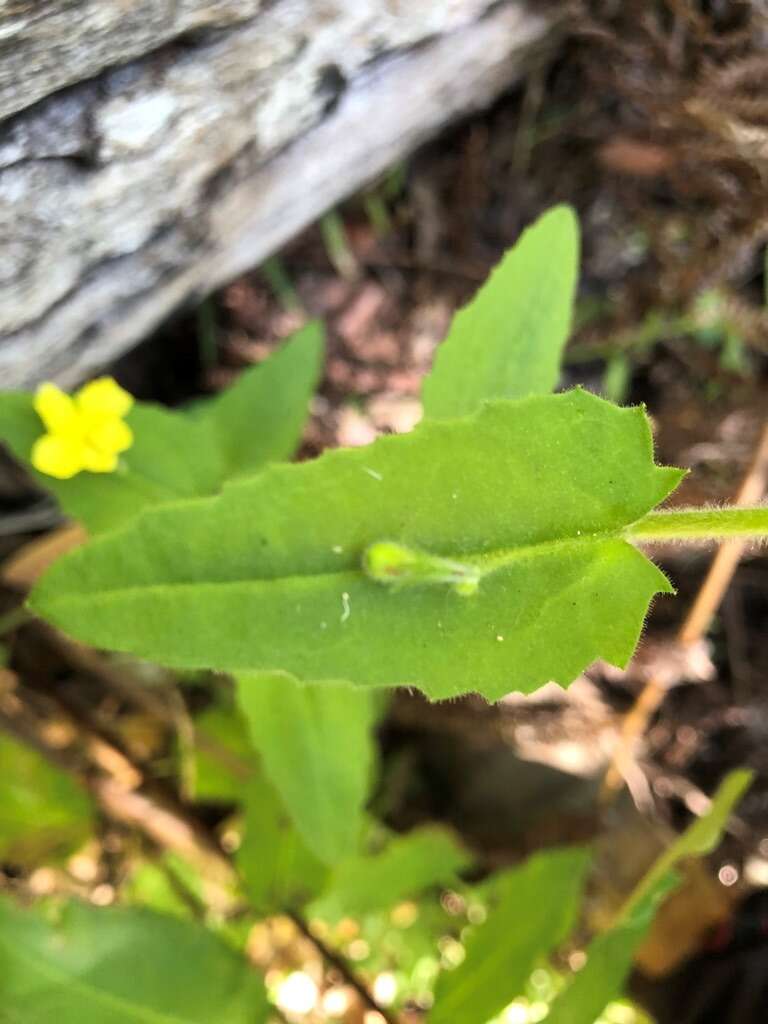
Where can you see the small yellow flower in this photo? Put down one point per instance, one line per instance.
(84, 431)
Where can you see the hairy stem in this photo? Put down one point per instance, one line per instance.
(701, 524)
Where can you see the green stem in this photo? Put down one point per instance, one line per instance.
(337, 246)
(279, 280)
(393, 563)
(701, 524)
(378, 214)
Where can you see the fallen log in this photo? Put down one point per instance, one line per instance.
(150, 152)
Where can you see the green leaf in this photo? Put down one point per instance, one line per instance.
(507, 343)
(609, 956)
(184, 453)
(43, 812)
(214, 778)
(279, 872)
(536, 909)
(120, 966)
(702, 836)
(316, 745)
(407, 865)
(260, 418)
(609, 961)
(172, 456)
(152, 471)
(268, 575)
(149, 885)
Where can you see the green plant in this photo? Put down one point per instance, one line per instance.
(495, 548)
(715, 320)
(184, 453)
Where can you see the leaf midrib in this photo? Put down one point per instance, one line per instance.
(490, 562)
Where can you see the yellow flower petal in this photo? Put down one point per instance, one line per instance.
(97, 461)
(56, 410)
(110, 435)
(60, 457)
(103, 397)
(84, 432)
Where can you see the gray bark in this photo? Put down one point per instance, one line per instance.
(153, 150)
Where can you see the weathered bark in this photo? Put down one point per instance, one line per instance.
(156, 149)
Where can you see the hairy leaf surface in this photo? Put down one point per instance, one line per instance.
(507, 342)
(122, 966)
(268, 575)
